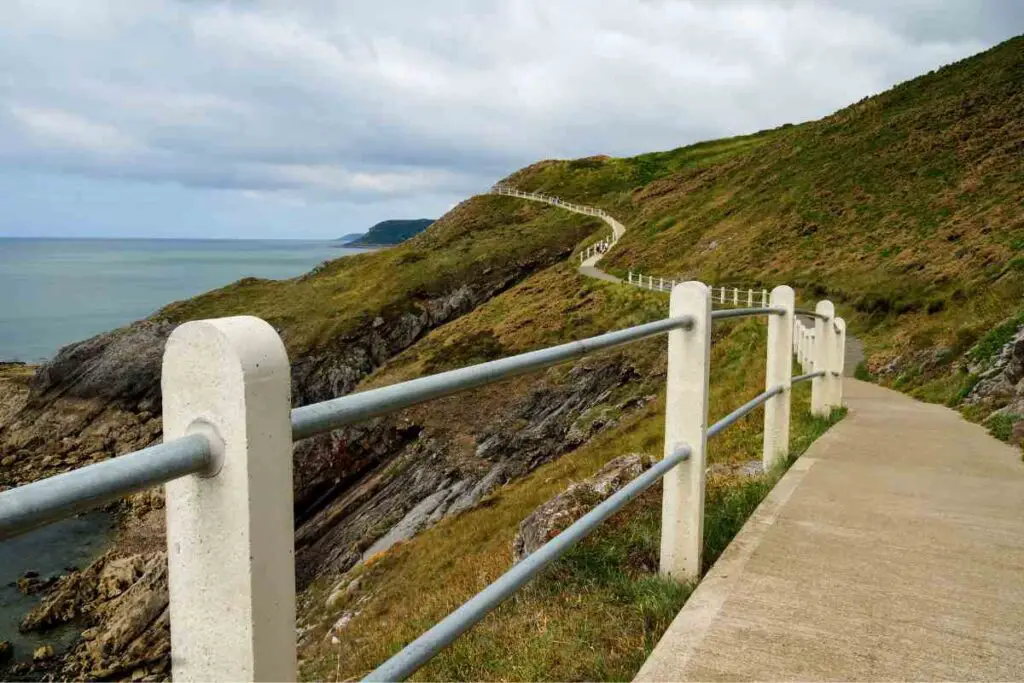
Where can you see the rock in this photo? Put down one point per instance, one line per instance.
(1001, 379)
(6, 651)
(743, 470)
(42, 653)
(557, 514)
(342, 591)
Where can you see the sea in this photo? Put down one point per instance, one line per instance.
(57, 291)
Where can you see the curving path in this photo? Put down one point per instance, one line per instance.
(589, 265)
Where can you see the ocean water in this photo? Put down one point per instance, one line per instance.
(57, 291)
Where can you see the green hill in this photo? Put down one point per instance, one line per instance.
(391, 232)
(905, 208)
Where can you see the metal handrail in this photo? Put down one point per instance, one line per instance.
(723, 313)
(30, 506)
(809, 375)
(443, 633)
(809, 314)
(420, 651)
(322, 417)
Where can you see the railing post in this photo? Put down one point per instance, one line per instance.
(839, 362)
(764, 298)
(735, 296)
(750, 298)
(661, 283)
(686, 417)
(822, 353)
(630, 276)
(779, 373)
(230, 532)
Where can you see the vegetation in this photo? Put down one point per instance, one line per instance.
(387, 233)
(596, 613)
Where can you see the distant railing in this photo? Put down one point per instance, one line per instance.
(227, 463)
(598, 249)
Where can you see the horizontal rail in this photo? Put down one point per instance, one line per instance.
(735, 415)
(420, 651)
(809, 314)
(30, 506)
(322, 417)
(723, 313)
(809, 375)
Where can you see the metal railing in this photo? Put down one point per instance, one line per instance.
(597, 249)
(226, 462)
(720, 294)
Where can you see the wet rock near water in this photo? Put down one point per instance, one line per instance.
(6, 652)
(124, 601)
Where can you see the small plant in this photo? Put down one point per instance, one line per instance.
(1001, 425)
(994, 341)
(862, 373)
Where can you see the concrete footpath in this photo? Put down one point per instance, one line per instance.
(892, 550)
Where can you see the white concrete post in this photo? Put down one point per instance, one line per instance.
(750, 298)
(723, 294)
(823, 351)
(230, 532)
(840, 362)
(686, 417)
(630, 277)
(779, 372)
(735, 296)
(650, 281)
(798, 342)
(662, 285)
(764, 298)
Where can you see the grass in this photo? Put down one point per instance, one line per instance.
(596, 613)
(1001, 425)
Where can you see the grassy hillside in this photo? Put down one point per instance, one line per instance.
(905, 208)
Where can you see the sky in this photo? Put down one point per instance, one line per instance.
(312, 119)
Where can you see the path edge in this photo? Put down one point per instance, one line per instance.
(684, 635)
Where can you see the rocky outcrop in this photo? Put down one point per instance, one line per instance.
(124, 602)
(554, 516)
(1001, 378)
(436, 471)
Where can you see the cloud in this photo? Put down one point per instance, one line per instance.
(52, 127)
(332, 102)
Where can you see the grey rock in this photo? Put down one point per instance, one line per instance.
(552, 517)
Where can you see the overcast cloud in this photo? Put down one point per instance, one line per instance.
(312, 119)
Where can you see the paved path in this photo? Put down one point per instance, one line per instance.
(892, 550)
